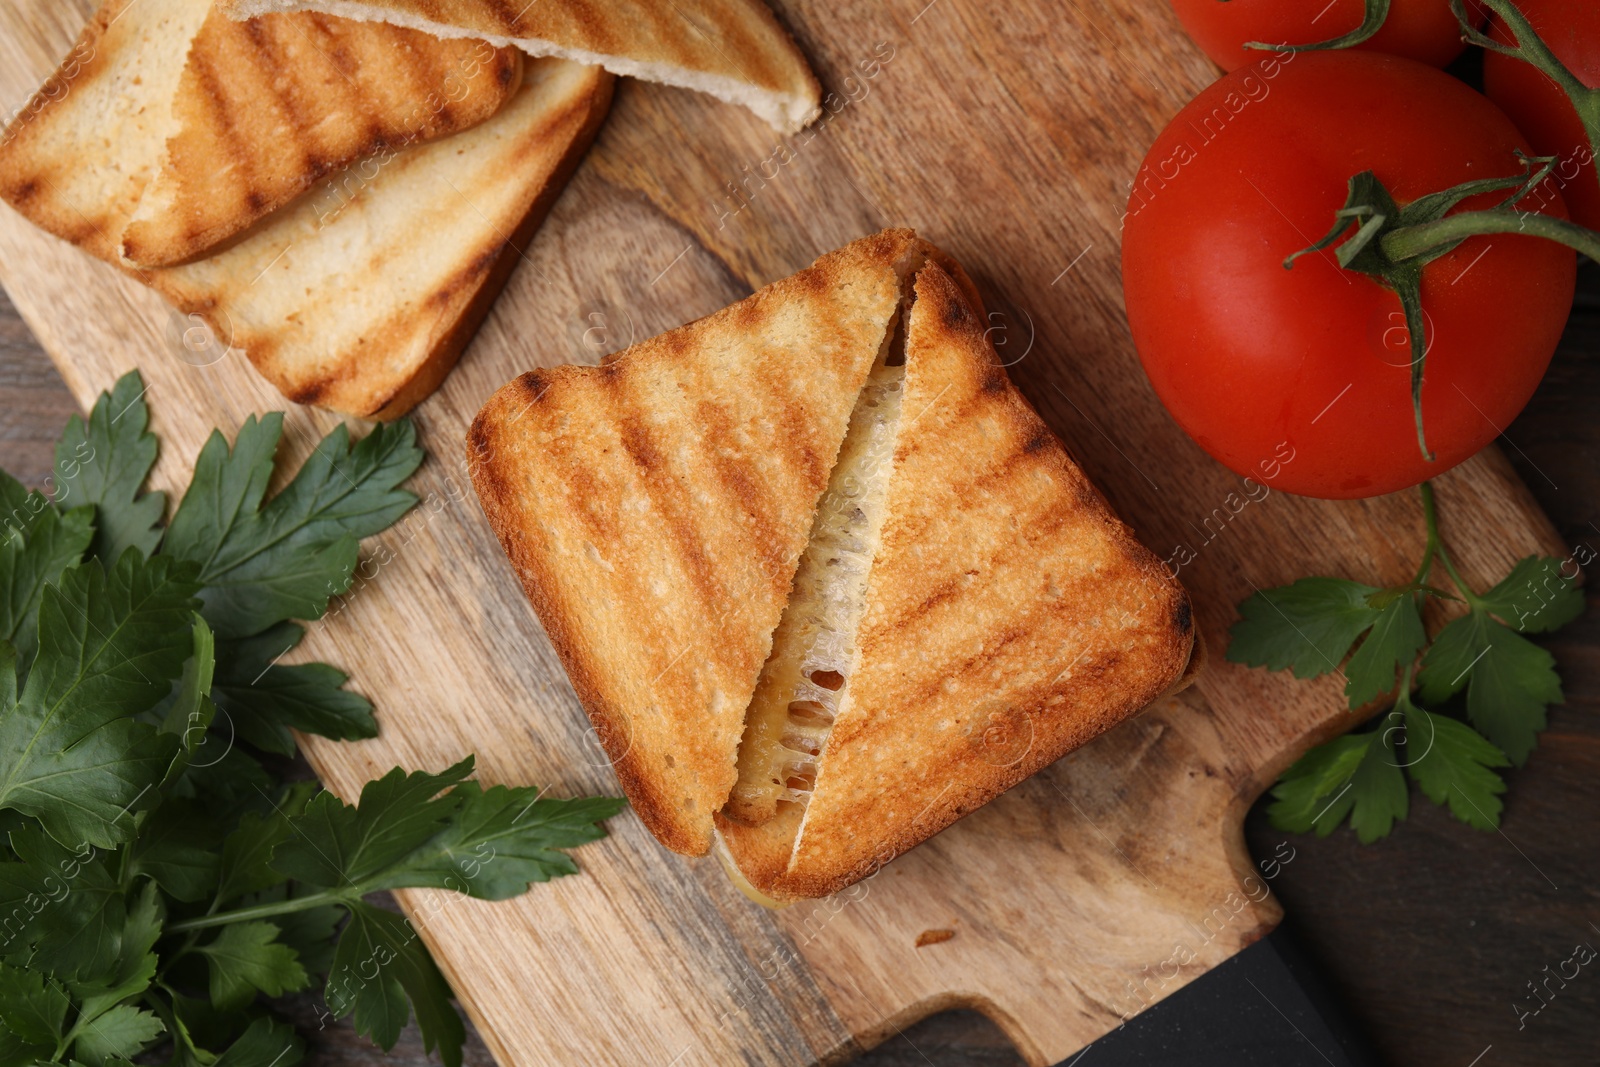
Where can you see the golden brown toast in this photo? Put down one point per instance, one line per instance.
(824, 601)
(1008, 618)
(267, 108)
(76, 159)
(733, 49)
(654, 509)
(361, 295)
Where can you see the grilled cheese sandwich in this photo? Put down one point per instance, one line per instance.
(843, 614)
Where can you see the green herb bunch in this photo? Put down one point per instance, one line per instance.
(157, 879)
(1487, 685)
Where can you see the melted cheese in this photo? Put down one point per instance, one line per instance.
(813, 650)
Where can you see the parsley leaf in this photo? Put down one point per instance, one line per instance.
(1536, 597)
(104, 463)
(109, 647)
(1306, 627)
(246, 957)
(1391, 646)
(189, 712)
(405, 833)
(264, 563)
(38, 543)
(264, 700)
(177, 849)
(501, 839)
(117, 1035)
(134, 966)
(336, 846)
(311, 934)
(1356, 775)
(1452, 763)
(380, 962)
(32, 1007)
(247, 852)
(265, 1043)
(486, 843)
(73, 909)
(1509, 680)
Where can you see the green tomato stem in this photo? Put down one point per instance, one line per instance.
(1372, 20)
(1402, 700)
(1431, 549)
(1436, 550)
(1407, 242)
(260, 911)
(1530, 48)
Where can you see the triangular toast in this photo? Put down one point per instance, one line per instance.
(1008, 618)
(733, 49)
(361, 296)
(654, 509)
(250, 111)
(267, 108)
(77, 158)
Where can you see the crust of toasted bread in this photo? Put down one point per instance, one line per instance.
(76, 159)
(311, 294)
(1011, 617)
(267, 108)
(655, 509)
(733, 49)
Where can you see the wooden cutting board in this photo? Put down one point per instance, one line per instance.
(1006, 133)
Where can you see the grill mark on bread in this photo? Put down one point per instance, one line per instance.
(502, 13)
(268, 58)
(794, 423)
(303, 95)
(756, 502)
(221, 116)
(422, 74)
(719, 42)
(668, 499)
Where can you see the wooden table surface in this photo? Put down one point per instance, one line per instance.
(1429, 937)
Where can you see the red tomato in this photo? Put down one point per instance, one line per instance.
(1423, 30)
(1255, 361)
(1539, 107)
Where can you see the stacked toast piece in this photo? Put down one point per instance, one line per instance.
(340, 199)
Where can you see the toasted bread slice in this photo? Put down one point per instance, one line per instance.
(360, 296)
(1006, 618)
(733, 49)
(265, 109)
(76, 159)
(655, 507)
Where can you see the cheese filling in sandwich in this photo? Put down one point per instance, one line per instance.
(821, 577)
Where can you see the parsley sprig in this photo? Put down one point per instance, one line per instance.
(1466, 703)
(158, 877)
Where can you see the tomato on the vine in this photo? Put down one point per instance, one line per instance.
(1538, 106)
(1254, 360)
(1423, 30)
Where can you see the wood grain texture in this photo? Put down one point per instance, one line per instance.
(1006, 136)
